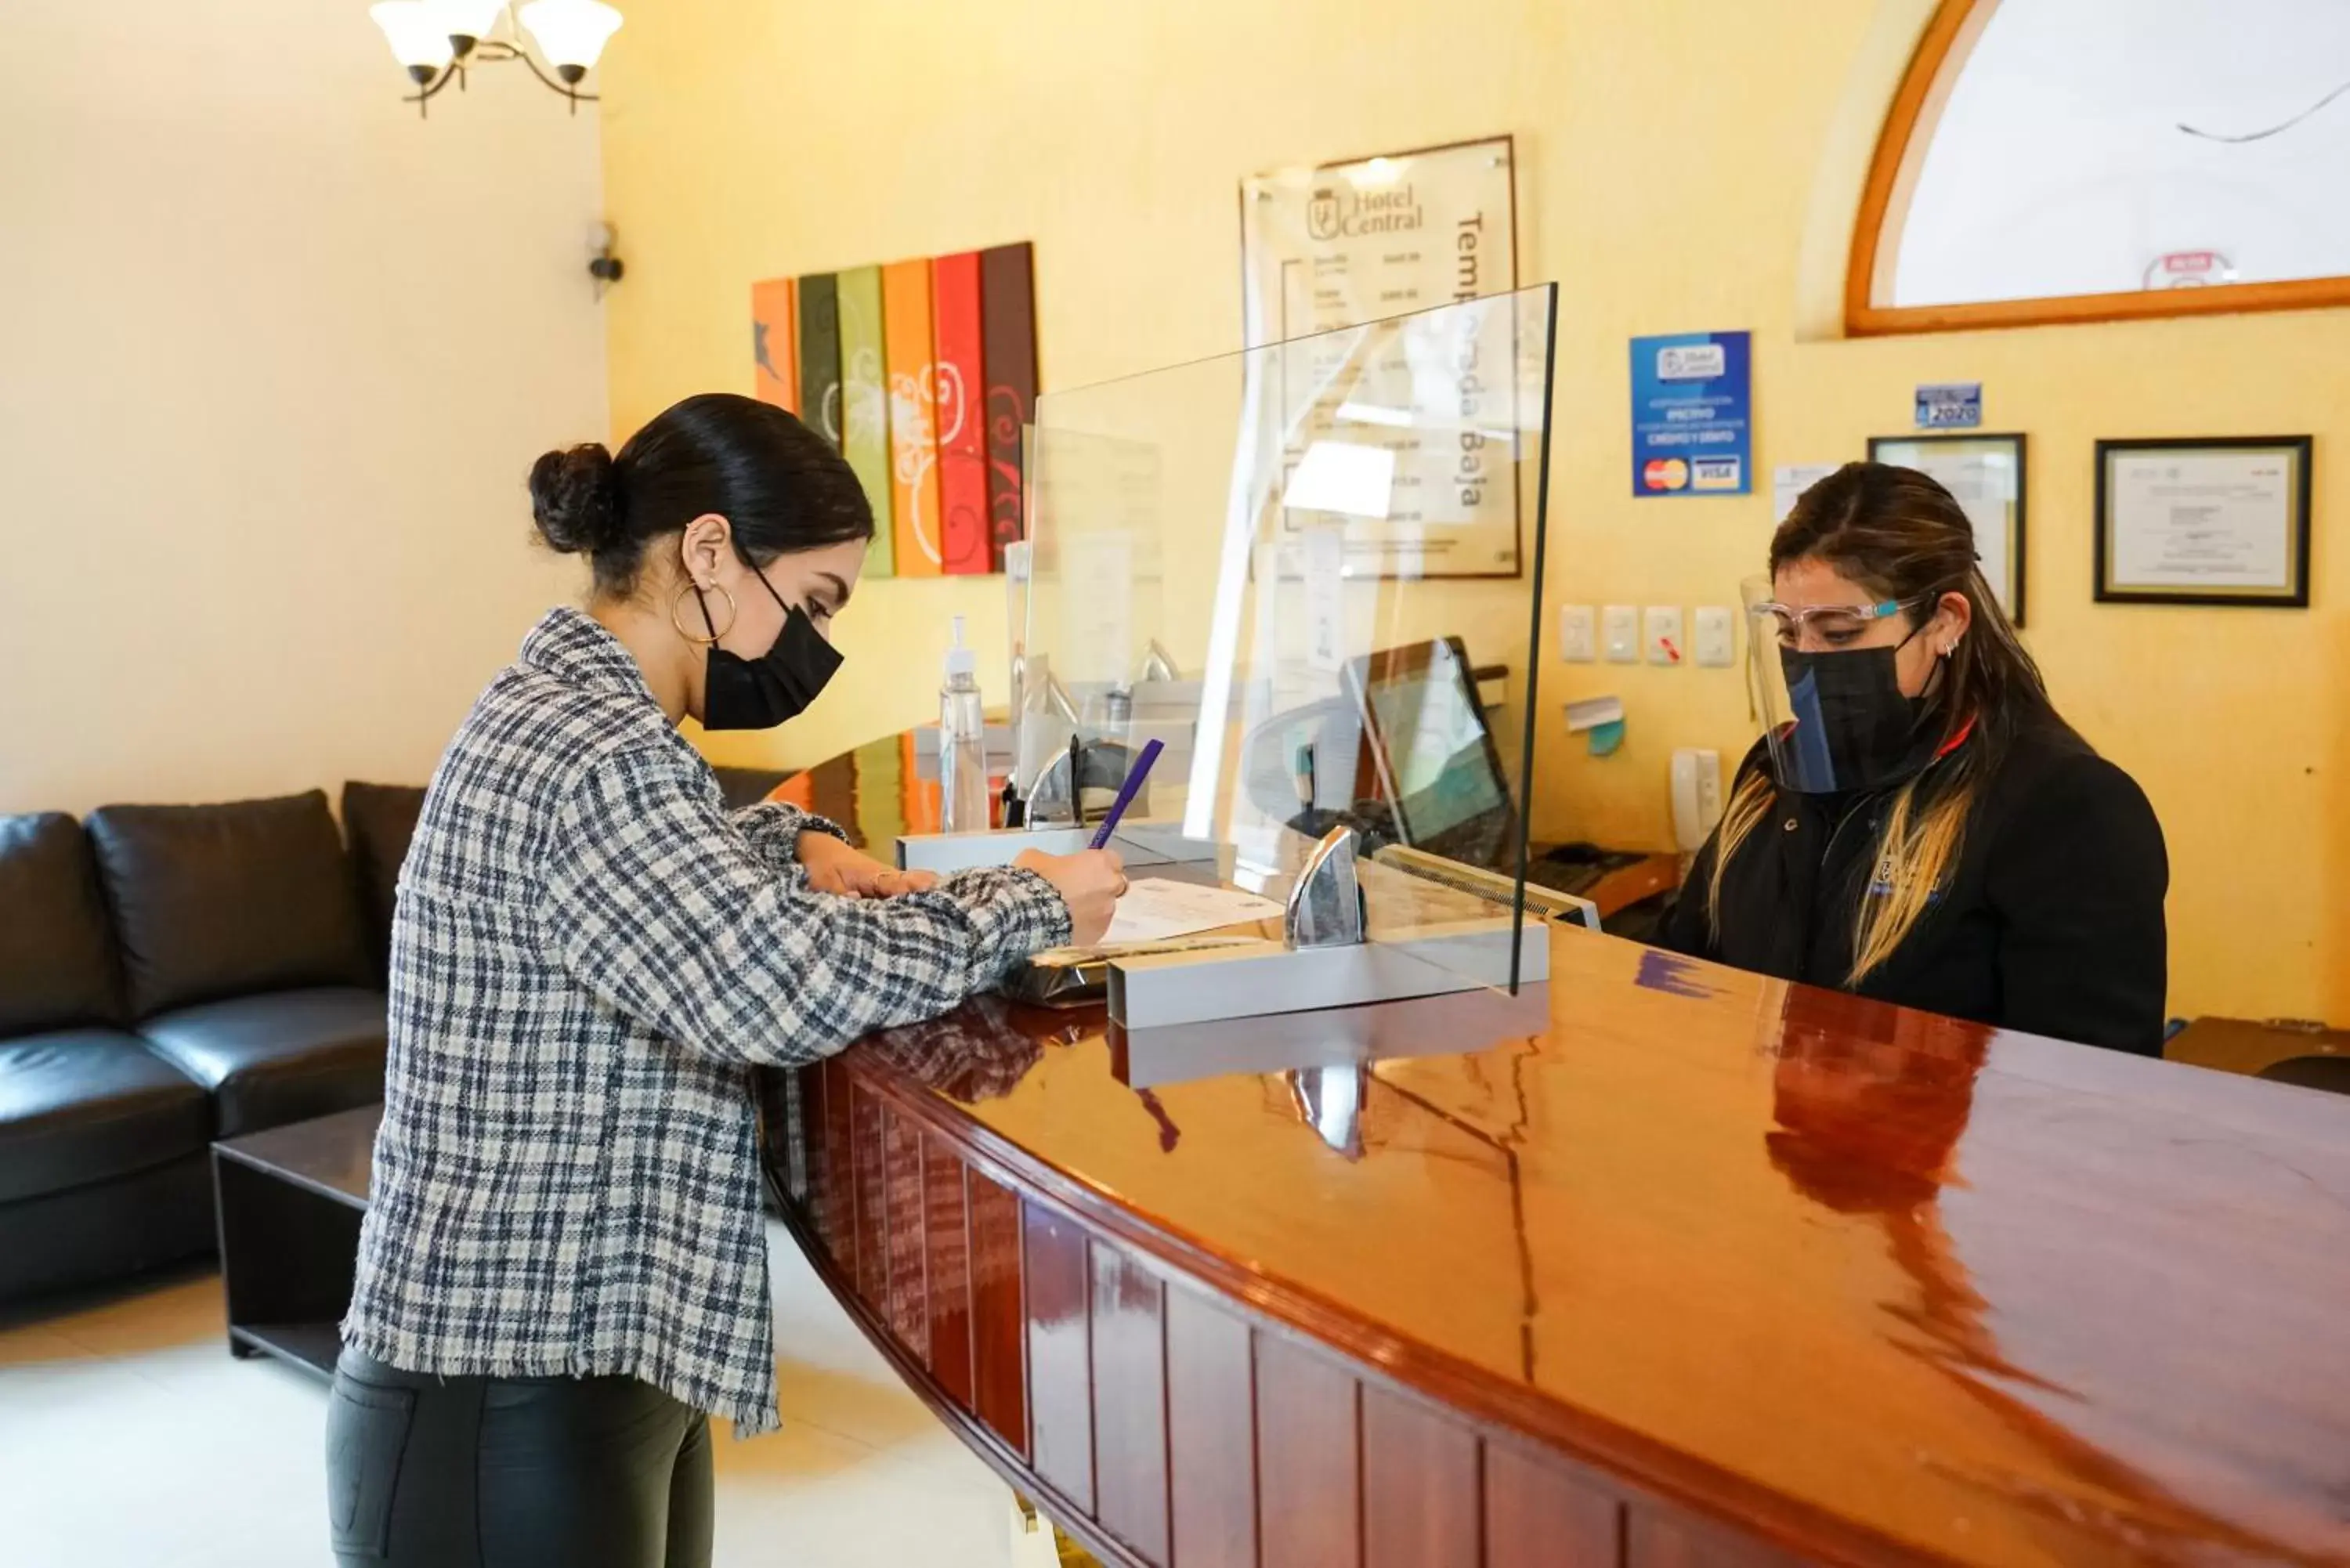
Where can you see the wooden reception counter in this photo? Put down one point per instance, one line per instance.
(1658, 1264)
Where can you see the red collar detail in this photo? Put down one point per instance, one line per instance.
(1955, 742)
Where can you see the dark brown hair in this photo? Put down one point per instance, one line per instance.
(1899, 535)
(781, 488)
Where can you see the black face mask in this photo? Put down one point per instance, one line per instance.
(760, 693)
(1853, 729)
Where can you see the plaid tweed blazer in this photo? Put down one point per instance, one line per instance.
(589, 954)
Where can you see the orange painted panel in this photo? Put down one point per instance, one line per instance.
(775, 335)
(913, 417)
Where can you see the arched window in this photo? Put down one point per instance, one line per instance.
(2100, 159)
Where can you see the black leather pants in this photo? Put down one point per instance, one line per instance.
(500, 1472)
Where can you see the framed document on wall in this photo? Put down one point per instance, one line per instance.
(1336, 245)
(2223, 520)
(1985, 476)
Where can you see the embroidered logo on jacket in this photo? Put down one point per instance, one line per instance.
(1880, 885)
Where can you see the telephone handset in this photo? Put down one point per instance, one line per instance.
(1697, 797)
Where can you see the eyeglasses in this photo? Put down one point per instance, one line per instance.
(1830, 623)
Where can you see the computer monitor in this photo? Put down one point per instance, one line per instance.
(1433, 747)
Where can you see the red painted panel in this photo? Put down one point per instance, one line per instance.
(869, 1156)
(1309, 1490)
(1545, 1513)
(907, 1315)
(1060, 1354)
(999, 1314)
(946, 1239)
(1007, 291)
(961, 398)
(1129, 1395)
(1210, 1434)
(1421, 1502)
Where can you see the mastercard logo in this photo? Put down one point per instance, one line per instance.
(1665, 474)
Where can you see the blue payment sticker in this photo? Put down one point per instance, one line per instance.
(1691, 433)
(1949, 406)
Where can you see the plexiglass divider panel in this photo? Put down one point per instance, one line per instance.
(1286, 565)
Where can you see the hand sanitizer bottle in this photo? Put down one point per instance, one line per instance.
(963, 743)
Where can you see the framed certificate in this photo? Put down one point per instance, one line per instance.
(1984, 475)
(2211, 521)
(1337, 245)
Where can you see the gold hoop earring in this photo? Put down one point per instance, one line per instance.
(678, 603)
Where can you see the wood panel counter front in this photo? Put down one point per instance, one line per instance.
(1658, 1264)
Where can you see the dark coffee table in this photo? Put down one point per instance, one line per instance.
(289, 1202)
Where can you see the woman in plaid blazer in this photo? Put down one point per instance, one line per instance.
(563, 1270)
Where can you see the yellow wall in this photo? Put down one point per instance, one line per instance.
(275, 357)
(1683, 165)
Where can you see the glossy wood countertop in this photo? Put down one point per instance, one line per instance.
(1986, 1297)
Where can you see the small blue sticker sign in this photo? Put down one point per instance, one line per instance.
(1949, 406)
(1691, 430)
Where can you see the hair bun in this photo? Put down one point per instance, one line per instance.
(574, 499)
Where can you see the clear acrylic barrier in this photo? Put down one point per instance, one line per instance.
(1288, 565)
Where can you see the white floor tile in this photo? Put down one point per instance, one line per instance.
(874, 1414)
(131, 1438)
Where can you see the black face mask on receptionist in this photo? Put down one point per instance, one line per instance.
(1853, 727)
(760, 693)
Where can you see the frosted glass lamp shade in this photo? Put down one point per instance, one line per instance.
(467, 18)
(413, 28)
(570, 33)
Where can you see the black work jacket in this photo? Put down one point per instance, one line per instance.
(2051, 921)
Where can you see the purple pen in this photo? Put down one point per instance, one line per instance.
(1125, 791)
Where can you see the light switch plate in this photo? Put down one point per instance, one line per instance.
(1717, 642)
(1577, 637)
(1663, 637)
(1619, 628)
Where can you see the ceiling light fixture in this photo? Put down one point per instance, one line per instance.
(439, 40)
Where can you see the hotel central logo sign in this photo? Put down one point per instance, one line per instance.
(1442, 418)
(1691, 362)
(1332, 214)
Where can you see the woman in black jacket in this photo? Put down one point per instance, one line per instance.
(1918, 823)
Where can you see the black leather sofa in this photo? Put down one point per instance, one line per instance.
(170, 975)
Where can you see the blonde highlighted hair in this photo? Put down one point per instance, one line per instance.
(1900, 535)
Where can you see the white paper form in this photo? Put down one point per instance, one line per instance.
(1156, 909)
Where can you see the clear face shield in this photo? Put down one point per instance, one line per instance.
(1828, 684)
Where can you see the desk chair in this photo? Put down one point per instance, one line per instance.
(2280, 1050)
(2328, 1073)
